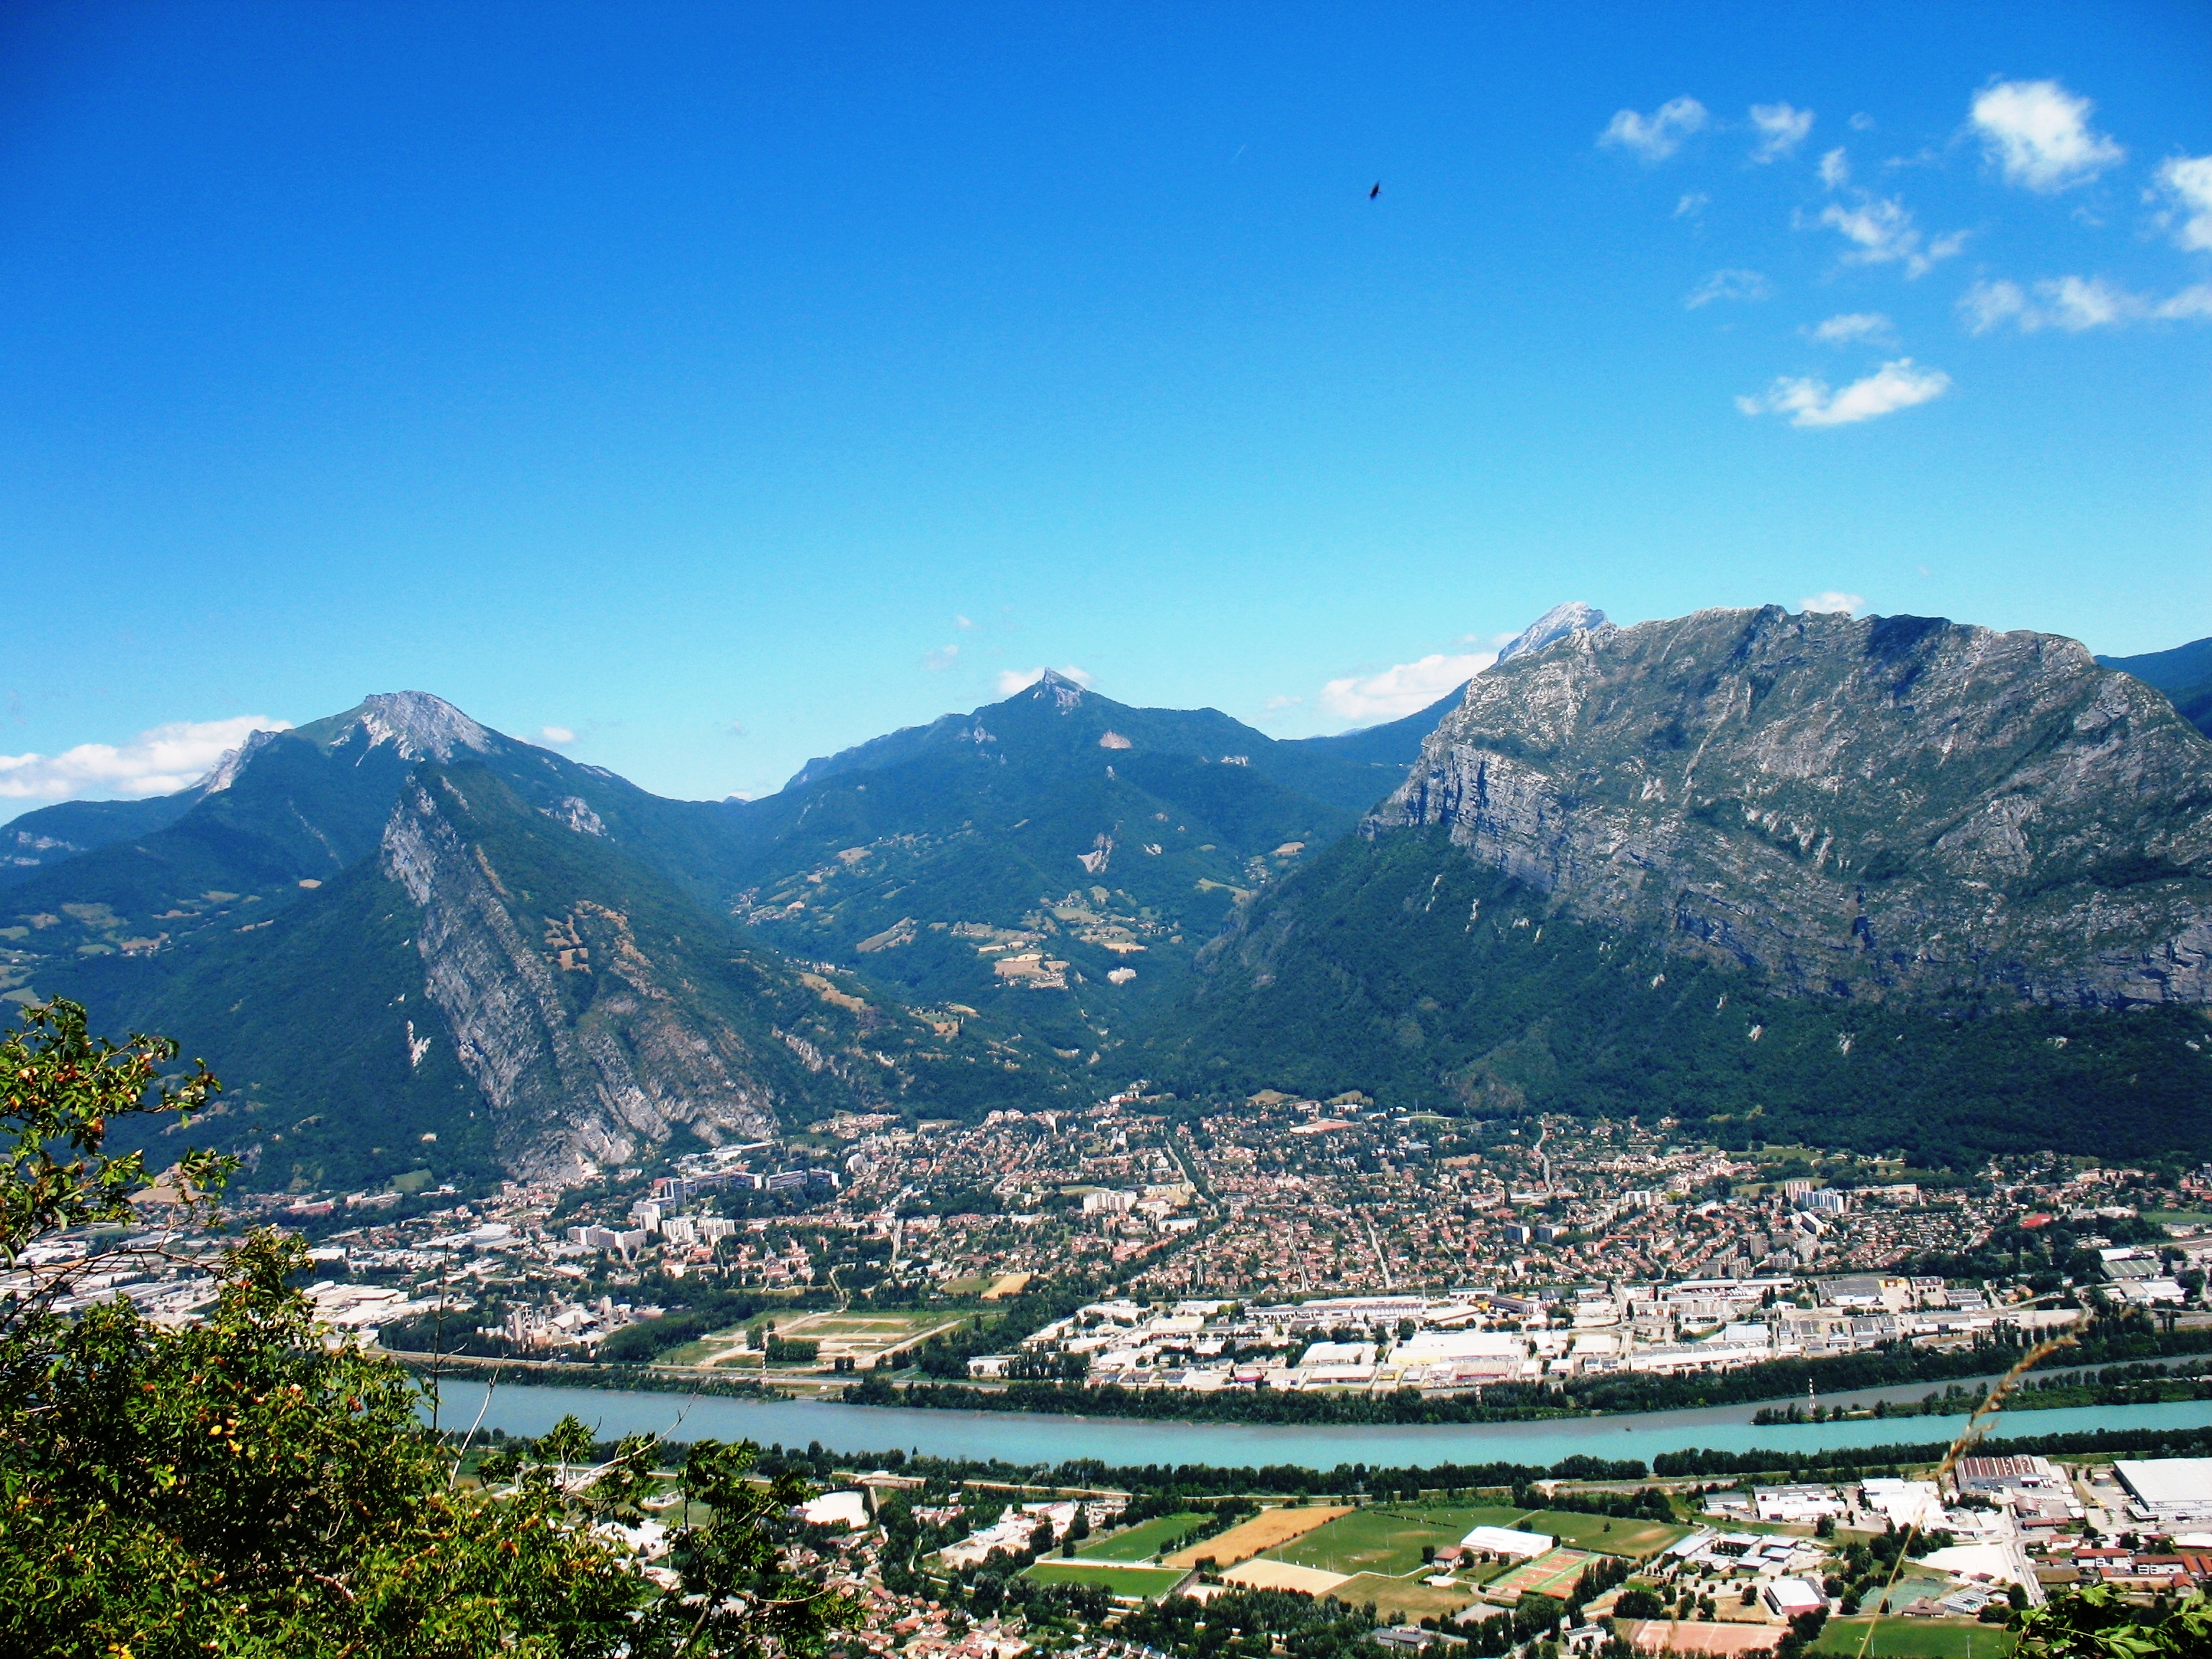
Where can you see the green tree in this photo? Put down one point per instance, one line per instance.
(2099, 1623)
(251, 1485)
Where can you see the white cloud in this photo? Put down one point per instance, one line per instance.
(1836, 168)
(2187, 180)
(1862, 122)
(1781, 129)
(963, 624)
(2076, 304)
(1849, 604)
(1808, 402)
(1692, 203)
(1730, 285)
(1659, 134)
(1851, 327)
(1404, 690)
(1882, 231)
(2038, 133)
(1985, 305)
(1276, 705)
(159, 762)
(1011, 680)
(556, 734)
(937, 661)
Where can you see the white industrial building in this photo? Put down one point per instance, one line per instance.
(1506, 1541)
(2169, 1490)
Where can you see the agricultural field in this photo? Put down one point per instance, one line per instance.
(1265, 1572)
(1917, 1639)
(1382, 1539)
(1402, 1599)
(1142, 1541)
(1130, 1582)
(1638, 1539)
(1264, 1531)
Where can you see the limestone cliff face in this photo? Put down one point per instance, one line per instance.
(582, 1054)
(1898, 807)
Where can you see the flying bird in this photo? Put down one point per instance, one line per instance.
(1376, 191)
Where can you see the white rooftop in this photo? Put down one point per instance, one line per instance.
(2169, 1479)
(1504, 1541)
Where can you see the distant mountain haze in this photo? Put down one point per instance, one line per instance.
(1892, 883)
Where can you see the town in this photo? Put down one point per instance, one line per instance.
(1284, 1244)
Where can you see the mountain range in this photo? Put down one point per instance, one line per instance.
(1893, 882)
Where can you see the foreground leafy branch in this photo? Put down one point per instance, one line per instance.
(254, 1485)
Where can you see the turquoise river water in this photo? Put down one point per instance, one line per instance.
(1026, 1438)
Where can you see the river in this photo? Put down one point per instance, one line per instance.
(1024, 1437)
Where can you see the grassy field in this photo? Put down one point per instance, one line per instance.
(1387, 1540)
(1634, 1538)
(1262, 1532)
(1135, 1583)
(1917, 1639)
(1397, 1599)
(1142, 1541)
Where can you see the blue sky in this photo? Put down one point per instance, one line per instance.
(716, 387)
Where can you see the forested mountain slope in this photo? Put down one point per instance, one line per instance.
(502, 964)
(1892, 882)
(1889, 882)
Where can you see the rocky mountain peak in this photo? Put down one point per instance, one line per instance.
(1063, 691)
(421, 727)
(1555, 624)
(233, 762)
(1896, 807)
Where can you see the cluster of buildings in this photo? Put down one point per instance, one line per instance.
(1472, 1337)
(1289, 1244)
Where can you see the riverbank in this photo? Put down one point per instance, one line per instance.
(1885, 1379)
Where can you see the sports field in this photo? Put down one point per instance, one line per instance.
(1917, 1639)
(1263, 1531)
(1552, 1573)
(1131, 1584)
(1387, 1540)
(1141, 1542)
(1638, 1539)
(1387, 1537)
(1401, 1599)
(862, 1337)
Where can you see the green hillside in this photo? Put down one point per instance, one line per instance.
(1074, 827)
(1399, 966)
(338, 1061)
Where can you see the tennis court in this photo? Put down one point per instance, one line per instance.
(1552, 1573)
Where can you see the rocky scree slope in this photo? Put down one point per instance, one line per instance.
(1890, 809)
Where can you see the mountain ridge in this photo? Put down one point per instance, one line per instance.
(2185, 674)
(1699, 865)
